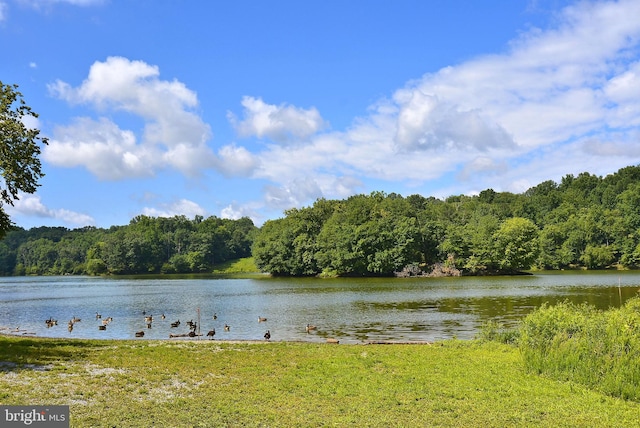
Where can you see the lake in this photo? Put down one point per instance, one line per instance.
(351, 310)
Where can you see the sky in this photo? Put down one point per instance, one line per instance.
(250, 108)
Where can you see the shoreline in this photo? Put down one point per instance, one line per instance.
(327, 341)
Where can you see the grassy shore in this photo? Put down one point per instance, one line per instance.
(210, 383)
(239, 266)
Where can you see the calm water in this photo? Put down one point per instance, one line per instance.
(352, 310)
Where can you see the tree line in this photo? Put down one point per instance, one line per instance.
(145, 245)
(584, 221)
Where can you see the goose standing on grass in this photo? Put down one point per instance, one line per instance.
(267, 335)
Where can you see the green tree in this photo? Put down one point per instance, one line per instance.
(597, 257)
(20, 166)
(96, 267)
(516, 243)
(480, 231)
(272, 249)
(369, 235)
(7, 260)
(551, 239)
(38, 256)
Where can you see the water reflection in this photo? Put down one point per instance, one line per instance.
(352, 310)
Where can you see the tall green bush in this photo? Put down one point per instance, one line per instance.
(599, 349)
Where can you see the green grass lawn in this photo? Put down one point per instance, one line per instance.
(237, 266)
(209, 383)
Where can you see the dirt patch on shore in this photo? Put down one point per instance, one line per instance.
(7, 366)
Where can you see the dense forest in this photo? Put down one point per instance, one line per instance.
(585, 221)
(145, 245)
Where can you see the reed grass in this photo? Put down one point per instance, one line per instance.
(599, 349)
(202, 383)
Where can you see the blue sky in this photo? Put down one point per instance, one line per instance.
(248, 108)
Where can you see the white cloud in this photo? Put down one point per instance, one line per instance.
(622, 91)
(232, 212)
(282, 123)
(235, 211)
(236, 161)
(424, 122)
(302, 190)
(48, 5)
(625, 146)
(294, 193)
(482, 165)
(181, 207)
(549, 86)
(79, 2)
(3, 11)
(174, 135)
(31, 122)
(36, 4)
(107, 151)
(555, 102)
(31, 205)
(625, 86)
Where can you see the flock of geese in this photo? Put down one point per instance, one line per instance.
(193, 326)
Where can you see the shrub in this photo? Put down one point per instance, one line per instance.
(492, 331)
(600, 349)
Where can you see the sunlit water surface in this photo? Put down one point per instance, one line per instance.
(351, 310)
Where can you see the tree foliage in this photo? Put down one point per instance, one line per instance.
(584, 221)
(19, 150)
(145, 245)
